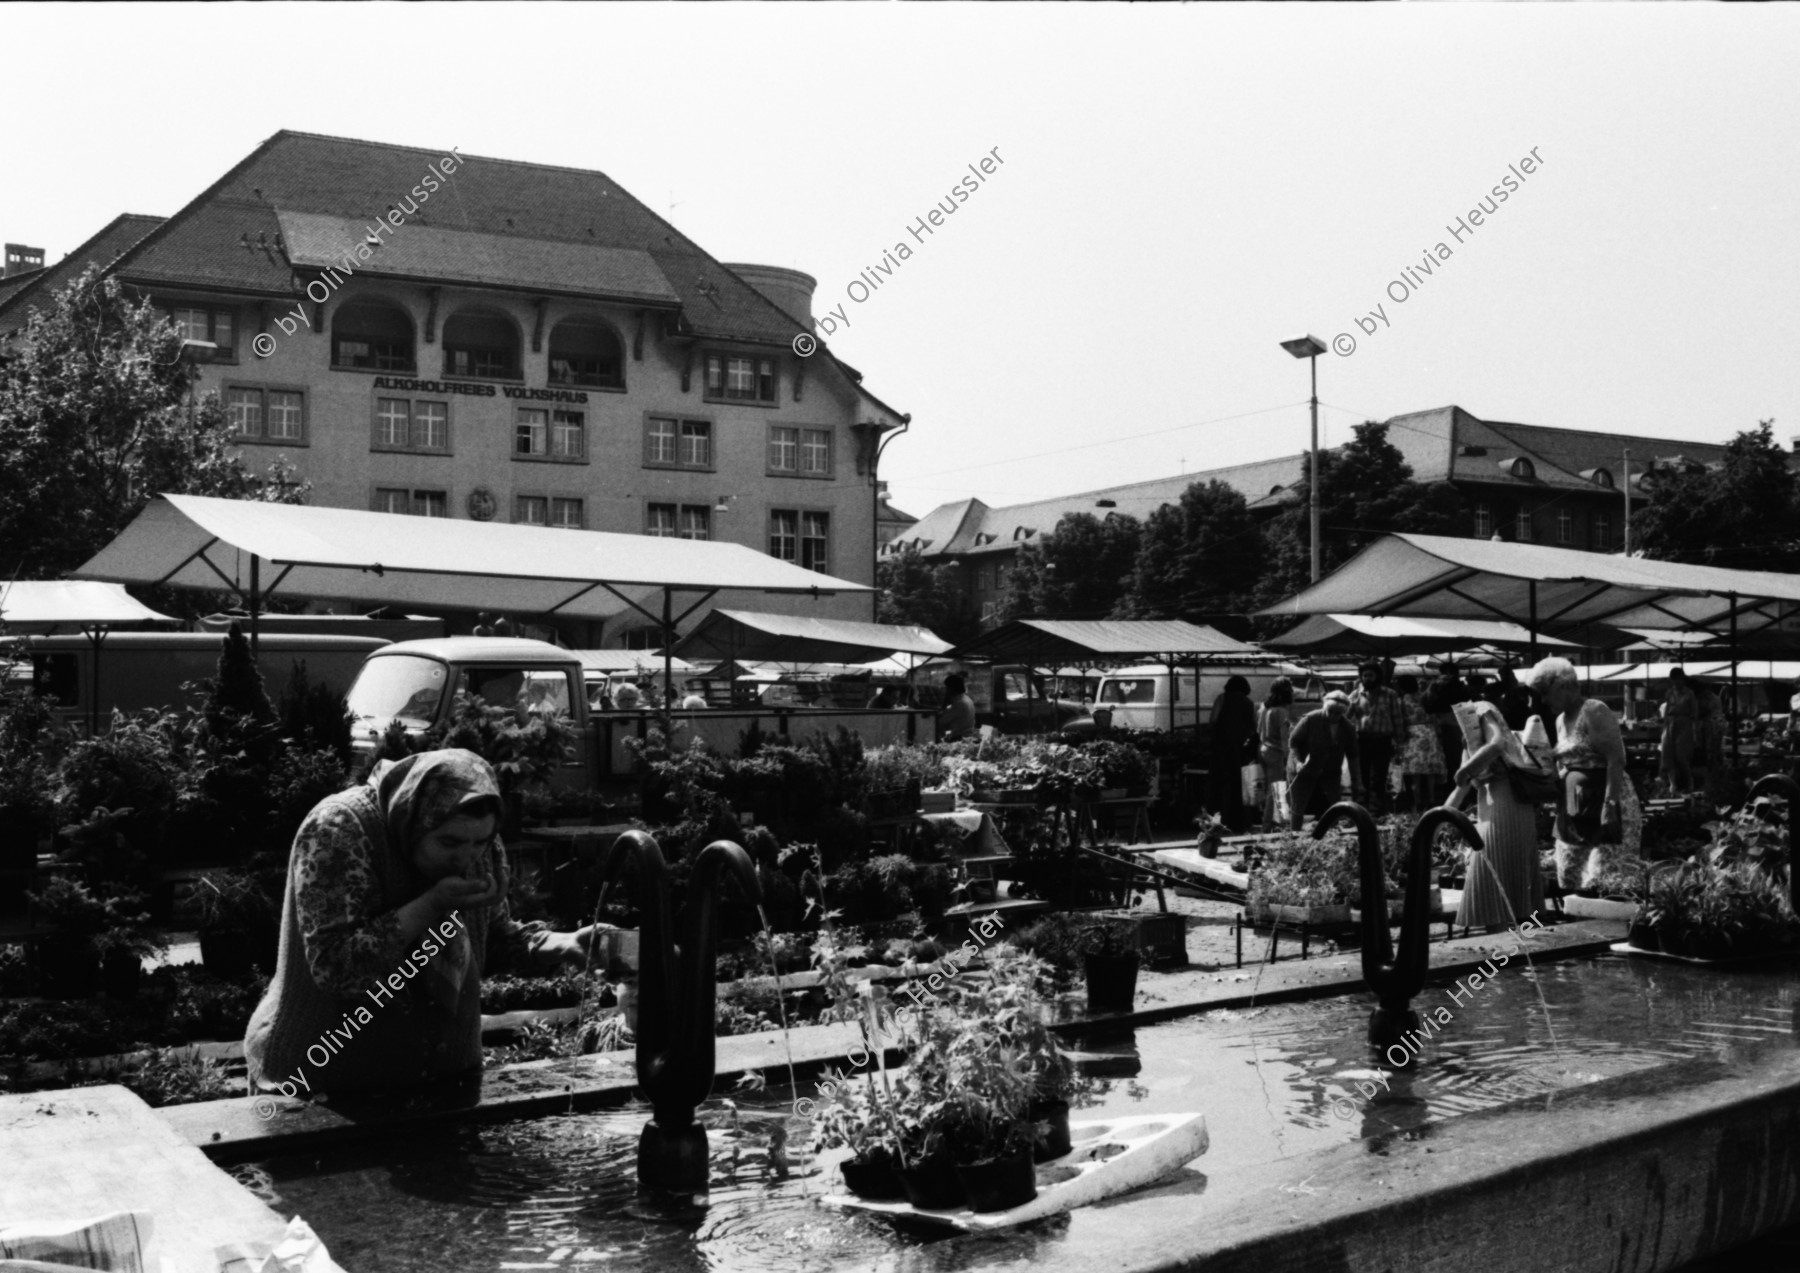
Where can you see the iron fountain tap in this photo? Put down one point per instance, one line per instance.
(676, 992)
(1395, 979)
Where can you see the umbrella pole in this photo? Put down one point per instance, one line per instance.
(255, 602)
(668, 636)
(1531, 591)
(1735, 710)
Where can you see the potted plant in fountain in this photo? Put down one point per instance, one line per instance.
(239, 920)
(1110, 958)
(857, 1118)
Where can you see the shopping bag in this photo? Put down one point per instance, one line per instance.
(1251, 775)
(1279, 802)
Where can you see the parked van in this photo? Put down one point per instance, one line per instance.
(416, 683)
(1150, 697)
(147, 669)
(1011, 697)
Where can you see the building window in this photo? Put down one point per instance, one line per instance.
(1484, 522)
(1522, 526)
(585, 351)
(740, 378)
(401, 499)
(531, 434)
(784, 449)
(1602, 532)
(531, 510)
(371, 336)
(217, 327)
(1565, 527)
(481, 345)
(801, 537)
(266, 415)
(800, 452)
(406, 424)
(684, 521)
(568, 435)
(670, 443)
(567, 513)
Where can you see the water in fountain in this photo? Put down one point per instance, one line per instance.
(781, 1012)
(1531, 968)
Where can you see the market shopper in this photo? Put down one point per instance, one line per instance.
(1380, 725)
(395, 904)
(957, 721)
(1274, 722)
(1680, 717)
(1318, 749)
(1502, 883)
(1598, 807)
(1234, 745)
(1421, 759)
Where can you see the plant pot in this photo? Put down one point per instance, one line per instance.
(875, 1180)
(121, 972)
(932, 1187)
(1052, 1120)
(1111, 982)
(236, 952)
(999, 1184)
(1644, 936)
(68, 966)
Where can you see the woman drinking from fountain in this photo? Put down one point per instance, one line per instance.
(395, 903)
(1598, 805)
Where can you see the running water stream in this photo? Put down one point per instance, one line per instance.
(786, 1040)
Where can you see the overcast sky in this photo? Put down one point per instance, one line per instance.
(1182, 187)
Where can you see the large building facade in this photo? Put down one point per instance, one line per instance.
(420, 332)
(1521, 482)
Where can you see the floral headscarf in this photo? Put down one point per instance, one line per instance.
(421, 793)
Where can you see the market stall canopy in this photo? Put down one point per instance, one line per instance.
(1707, 670)
(605, 661)
(1438, 577)
(192, 541)
(1086, 642)
(750, 637)
(1398, 637)
(41, 607)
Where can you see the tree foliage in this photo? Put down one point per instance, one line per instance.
(97, 418)
(912, 590)
(1198, 560)
(1080, 570)
(1744, 514)
(1366, 490)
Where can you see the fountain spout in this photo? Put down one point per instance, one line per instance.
(1789, 790)
(677, 981)
(1395, 979)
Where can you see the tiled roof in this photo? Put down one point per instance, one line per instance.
(972, 527)
(227, 237)
(119, 234)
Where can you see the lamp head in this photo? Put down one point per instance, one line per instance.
(1304, 346)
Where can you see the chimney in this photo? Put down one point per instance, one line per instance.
(790, 291)
(1795, 443)
(22, 260)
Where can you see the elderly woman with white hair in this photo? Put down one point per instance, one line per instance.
(1598, 805)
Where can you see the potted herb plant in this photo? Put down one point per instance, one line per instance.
(68, 959)
(1110, 959)
(239, 920)
(856, 1119)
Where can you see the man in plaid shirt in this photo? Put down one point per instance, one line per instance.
(1380, 724)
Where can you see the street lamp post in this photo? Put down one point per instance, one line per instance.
(1309, 348)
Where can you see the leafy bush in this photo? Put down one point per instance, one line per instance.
(175, 1076)
(519, 994)
(135, 767)
(313, 716)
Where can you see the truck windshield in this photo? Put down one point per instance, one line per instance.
(403, 687)
(1128, 690)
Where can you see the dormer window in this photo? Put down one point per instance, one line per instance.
(1519, 467)
(1106, 503)
(1599, 477)
(1022, 532)
(1277, 489)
